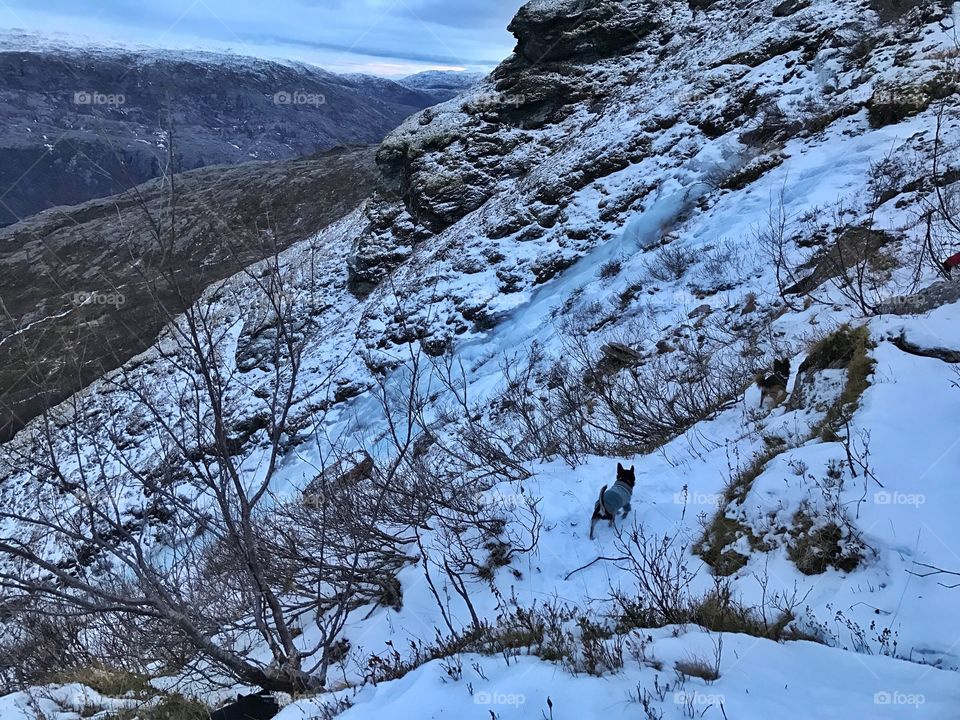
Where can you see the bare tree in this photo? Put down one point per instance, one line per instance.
(942, 209)
(158, 507)
(156, 499)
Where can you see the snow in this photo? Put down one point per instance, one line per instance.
(891, 637)
(759, 679)
(69, 44)
(60, 702)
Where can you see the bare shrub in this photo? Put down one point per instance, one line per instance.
(670, 262)
(646, 407)
(719, 265)
(188, 536)
(886, 179)
(860, 267)
(770, 127)
(941, 202)
(661, 593)
(853, 258)
(616, 399)
(610, 269)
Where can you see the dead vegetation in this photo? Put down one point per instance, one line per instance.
(813, 546)
(846, 349)
(200, 562)
(699, 668)
(619, 398)
(724, 529)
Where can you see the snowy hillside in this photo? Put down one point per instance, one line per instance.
(584, 260)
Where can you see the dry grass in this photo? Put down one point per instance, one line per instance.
(106, 681)
(814, 548)
(722, 531)
(846, 348)
(170, 707)
(697, 667)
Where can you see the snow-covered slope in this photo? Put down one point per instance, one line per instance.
(624, 178)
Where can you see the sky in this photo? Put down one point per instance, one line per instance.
(383, 37)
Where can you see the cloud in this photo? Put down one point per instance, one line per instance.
(415, 33)
(480, 15)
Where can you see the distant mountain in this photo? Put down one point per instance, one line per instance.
(56, 265)
(81, 123)
(442, 84)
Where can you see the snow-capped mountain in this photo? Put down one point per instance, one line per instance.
(81, 122)
(442, 84)
(583, 260)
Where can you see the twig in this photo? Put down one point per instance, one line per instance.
(584, 567)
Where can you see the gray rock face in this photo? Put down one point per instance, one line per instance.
(81, 124)
(584, 30)
(447, 162)
(929, 298)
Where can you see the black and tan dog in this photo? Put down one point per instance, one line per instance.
(773, 387)
(615, 499)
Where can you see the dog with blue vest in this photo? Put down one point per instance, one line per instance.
(614, 499)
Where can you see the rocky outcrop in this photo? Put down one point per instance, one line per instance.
(448, 161)
(578, 30)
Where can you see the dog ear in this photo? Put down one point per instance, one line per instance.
(631, 468)
(619, 467)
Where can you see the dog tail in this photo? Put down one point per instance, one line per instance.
(597, 511)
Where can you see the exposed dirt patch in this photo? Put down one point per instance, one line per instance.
(814, 548)
(945, 354)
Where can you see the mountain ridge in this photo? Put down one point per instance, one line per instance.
(80, 124)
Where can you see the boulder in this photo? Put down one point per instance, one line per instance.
(579, 30)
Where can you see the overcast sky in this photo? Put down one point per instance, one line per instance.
(385, 37)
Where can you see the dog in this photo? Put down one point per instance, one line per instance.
(258, 706)
(616, 499)
(773, 387)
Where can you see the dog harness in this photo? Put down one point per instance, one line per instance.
(616, 497)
